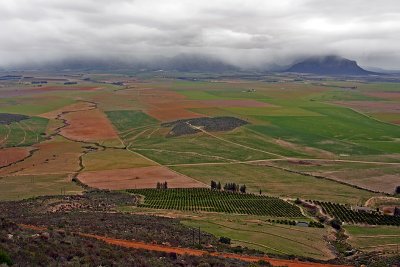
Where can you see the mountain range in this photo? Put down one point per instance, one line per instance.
(329, 65)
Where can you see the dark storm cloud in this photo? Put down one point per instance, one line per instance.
(241, 32)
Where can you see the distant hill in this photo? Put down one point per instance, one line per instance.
(329, 65)
(182, 62)
(188, 62)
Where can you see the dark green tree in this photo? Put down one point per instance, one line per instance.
(243, 189)
(398, 189)
(213, 184)
(219, 186)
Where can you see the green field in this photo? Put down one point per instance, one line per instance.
(33, 105)
(27, 186)
(276, 182)
(383, 238)
(256, 233)
(24, 133)
(125, 120)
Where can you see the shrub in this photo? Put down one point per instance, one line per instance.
(398, 189)
(5, 258)
(225, 240)
(337, 224)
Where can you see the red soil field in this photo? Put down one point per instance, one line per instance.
(372, 106)
(173, 114)
(144, 177)
(167, 105)
(88, 125)
(65, 88)
(73, 107)
(12, 154)
(235, 103)
(23, 91)
(51, 158)
(385, 95)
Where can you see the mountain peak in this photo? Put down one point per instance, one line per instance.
(329, 65)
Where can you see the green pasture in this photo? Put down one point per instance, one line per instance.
(125, 120)
(23, 133)
(33, 105)
(194, 148)
(276, 182)
(386, 238)
(255, 232)
(27, 186)
(338, 130)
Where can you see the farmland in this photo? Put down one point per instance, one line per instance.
(345, 214)
(381, 238)
(216, 201)
(284, 140)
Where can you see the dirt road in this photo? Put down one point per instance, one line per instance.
(193, 252)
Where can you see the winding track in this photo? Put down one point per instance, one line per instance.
(190, 251)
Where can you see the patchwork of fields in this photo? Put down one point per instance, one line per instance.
(297, 140)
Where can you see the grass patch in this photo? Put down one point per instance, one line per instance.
(125, 120)
(27, 186)
(338, 130)
(23, 133)
(33, 105)
(113, 159)
(382, 238)
(276, 182)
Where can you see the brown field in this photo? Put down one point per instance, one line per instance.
(235, 103)
(22, 91)
(88, 125)
(109, 159)
(12, 154)
(74, 107)
(371, 179)
(53, 157)
(371, 106)
(144, 177)
(167, 105)
(385, 95)
(65, 88)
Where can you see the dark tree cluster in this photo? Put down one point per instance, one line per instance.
(235, 187)
(162, 185)
(397, 189)
(216, 124)
(228, 187)
(215, 185)
(6, 118)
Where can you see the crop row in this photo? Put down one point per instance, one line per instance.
(203, 199)
(347, 215)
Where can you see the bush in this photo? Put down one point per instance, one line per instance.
(225, 240)
(237, 249)
(264, 263)
(335, 223)
(398, 189)
(5, 258)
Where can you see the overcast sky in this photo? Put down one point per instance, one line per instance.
(246, 32)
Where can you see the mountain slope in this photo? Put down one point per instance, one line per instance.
(329, 65)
